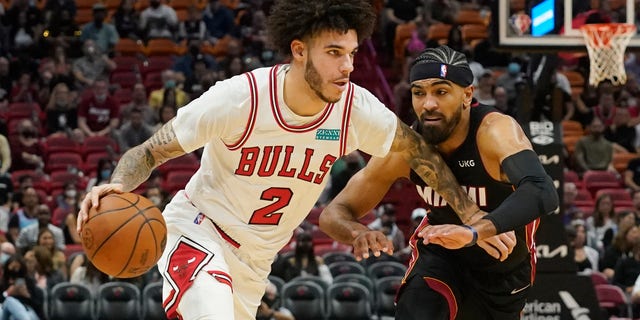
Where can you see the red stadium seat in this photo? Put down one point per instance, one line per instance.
(61, 161)
(613, 299)
(60, 143)
(125, 79)
(99, 144)
(595, 180)
(572, 176)
(176, 180)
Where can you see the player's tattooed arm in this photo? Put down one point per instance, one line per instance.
(425, 160)
(136, 164)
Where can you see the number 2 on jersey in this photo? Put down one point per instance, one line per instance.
(268, 214)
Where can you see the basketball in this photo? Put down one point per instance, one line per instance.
(125, 236)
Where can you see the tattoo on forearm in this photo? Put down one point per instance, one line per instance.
(425, 160)
(136, 165)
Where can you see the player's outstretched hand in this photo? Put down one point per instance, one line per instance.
(370, 240)
(92, 199)
(450, 236)
(499, 246)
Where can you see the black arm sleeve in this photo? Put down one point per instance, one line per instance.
(534, 196)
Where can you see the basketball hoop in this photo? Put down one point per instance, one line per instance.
(606, 44)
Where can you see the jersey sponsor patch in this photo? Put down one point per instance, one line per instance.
(328, 134)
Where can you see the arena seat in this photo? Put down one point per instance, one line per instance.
(152, 302)
(386, 289)
(70, 301)
(349, 300)
(118, 300)
(305, 300)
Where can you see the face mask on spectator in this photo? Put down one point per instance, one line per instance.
(105, 174)
(155, 200)
(4, 257)
(170, 84)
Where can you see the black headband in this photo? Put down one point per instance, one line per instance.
(458, 75)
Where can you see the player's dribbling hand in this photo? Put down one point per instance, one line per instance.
(499, 246)
(370, 240)
(92, 199)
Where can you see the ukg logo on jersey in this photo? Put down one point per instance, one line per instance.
(328, 134)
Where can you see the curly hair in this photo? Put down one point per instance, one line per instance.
(301, 19)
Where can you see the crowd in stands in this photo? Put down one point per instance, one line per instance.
(82, 81)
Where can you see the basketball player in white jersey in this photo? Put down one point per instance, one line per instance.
(270, 137)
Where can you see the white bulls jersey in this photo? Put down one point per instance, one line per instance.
(264, 167)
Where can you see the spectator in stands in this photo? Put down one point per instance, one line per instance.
(103, 173)
(235, 67)
(193, 28)
(5, 75)
(304, 261)
(632, 174)
(623, 220)
(417, 215)
(43, 270)
(5, 155)
(103, 33)
(139, 101)
(4, 103)
(627, 270)
(6, 189)
(71, 236)
(343, 169)
(621, 246)
(593, 151)
(571, 211)
(7, 250)
(98, 111)
(586, 257)
(270, 307)
(23, 36)
(54, 7)
(157, 97)
(441, 11)
(509, 79)
(20, 299)
(88, 275)
(61, 111)
(47, 240)
(386, 223)
(219, 20)
(24, 181)
(24, 90)
(65, 203)
(187, 63)
(158, 21)
(484, 91)
(166, 113)
(126, 20)
(193, 84)
(92, 65)
(26, 151)
(601, 220)
(635, 199)
(29, 235)
(62, 30)
(503, 103)
(134, 132)
(157, 196)
(397, 13)
(62, 70)
(620, 133)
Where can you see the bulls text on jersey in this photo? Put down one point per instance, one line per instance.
(270, 160)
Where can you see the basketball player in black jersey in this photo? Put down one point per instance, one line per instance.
(459, 268)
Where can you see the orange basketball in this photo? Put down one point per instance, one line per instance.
(125, 236)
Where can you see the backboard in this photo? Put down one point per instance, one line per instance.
(553, 25)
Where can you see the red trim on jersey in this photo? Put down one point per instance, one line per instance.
(222, 277)
(275, 108)
(253, 113)
(346, 117)
(173, 309)
(225, 236)
(530, 235)
(444, 289)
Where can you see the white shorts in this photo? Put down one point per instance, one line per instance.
(205, 277)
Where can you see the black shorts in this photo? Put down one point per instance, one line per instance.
(440, 288)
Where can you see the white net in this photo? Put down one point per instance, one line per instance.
(606, 44)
